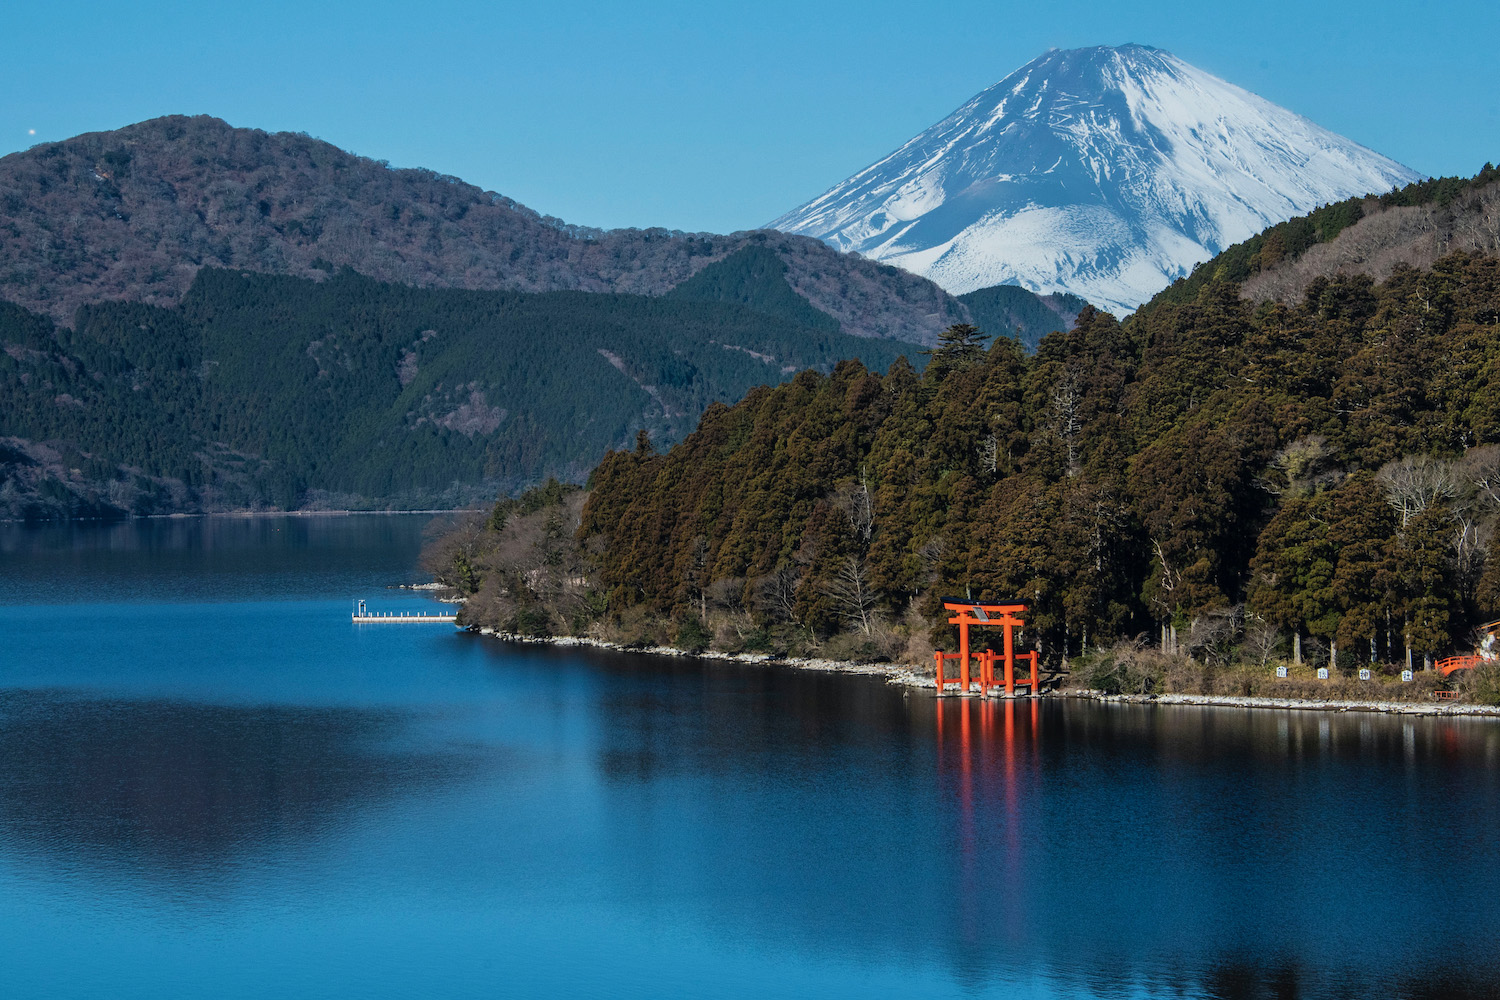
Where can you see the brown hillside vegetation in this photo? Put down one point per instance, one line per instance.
(135, 213)
(1385, 238)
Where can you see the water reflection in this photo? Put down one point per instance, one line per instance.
(208, 558)
(1116, 845)
(185, 793)
(1249, 977)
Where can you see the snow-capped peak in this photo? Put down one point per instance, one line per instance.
(1106, 172)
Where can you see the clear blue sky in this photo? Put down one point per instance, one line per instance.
(706, 116)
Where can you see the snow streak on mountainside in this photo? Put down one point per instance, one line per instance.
(1105, 172)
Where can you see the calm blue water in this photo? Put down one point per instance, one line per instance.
(213, 785)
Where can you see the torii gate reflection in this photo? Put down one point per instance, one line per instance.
(987, 742)
(1002, 758)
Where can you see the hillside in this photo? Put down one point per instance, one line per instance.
(1412, 226)
(155, 271)
(1104, 172)
(273, 391)
(134, 213)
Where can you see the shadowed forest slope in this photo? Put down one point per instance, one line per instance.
(263, 391)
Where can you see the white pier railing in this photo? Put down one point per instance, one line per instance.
(364, 616)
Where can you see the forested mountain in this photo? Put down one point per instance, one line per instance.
(1327, 470)
(134, 213)
(195, 334)
(259, 390)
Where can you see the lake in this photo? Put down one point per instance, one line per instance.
(213, 784)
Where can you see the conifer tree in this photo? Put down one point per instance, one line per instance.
(960, 345)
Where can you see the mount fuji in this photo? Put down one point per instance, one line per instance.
(1105, 172)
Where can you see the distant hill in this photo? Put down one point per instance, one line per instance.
(200, 317)
(259, 391)
(1012, 311)
(133, 214)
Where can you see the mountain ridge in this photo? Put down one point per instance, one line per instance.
(133, 213)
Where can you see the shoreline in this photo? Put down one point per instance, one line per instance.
(894, 673)
(1289, 704)
(909, 677)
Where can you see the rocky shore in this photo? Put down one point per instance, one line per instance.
(895, 673)
(908, 676)
(1305, 704)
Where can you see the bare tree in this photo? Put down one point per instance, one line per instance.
(1416, 482)
(1162, 600)
(857, 503)
(727, 594)
(452, 557)
(530, 565)
(1262, 641)
(776, 593)
(1478, 224)
(1214, 633)
(1481, 467)
(851, 594)
(989, 453)
(932, 552)
(1472, 533)
(1067, 405)
(697, 572)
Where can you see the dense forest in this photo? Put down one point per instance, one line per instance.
(1215, 477)
(272, 391)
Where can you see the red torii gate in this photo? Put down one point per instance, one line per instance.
(1006, 616)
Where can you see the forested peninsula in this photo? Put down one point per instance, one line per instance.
(1219, 479)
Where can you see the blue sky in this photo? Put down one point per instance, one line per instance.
(706, 116)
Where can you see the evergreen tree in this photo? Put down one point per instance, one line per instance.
(959, 345)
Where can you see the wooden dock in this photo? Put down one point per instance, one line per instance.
(364, 616)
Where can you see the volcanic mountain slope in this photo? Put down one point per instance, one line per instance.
(1104, 172)
(133, 214)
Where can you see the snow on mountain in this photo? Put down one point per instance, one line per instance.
(1105, 172)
